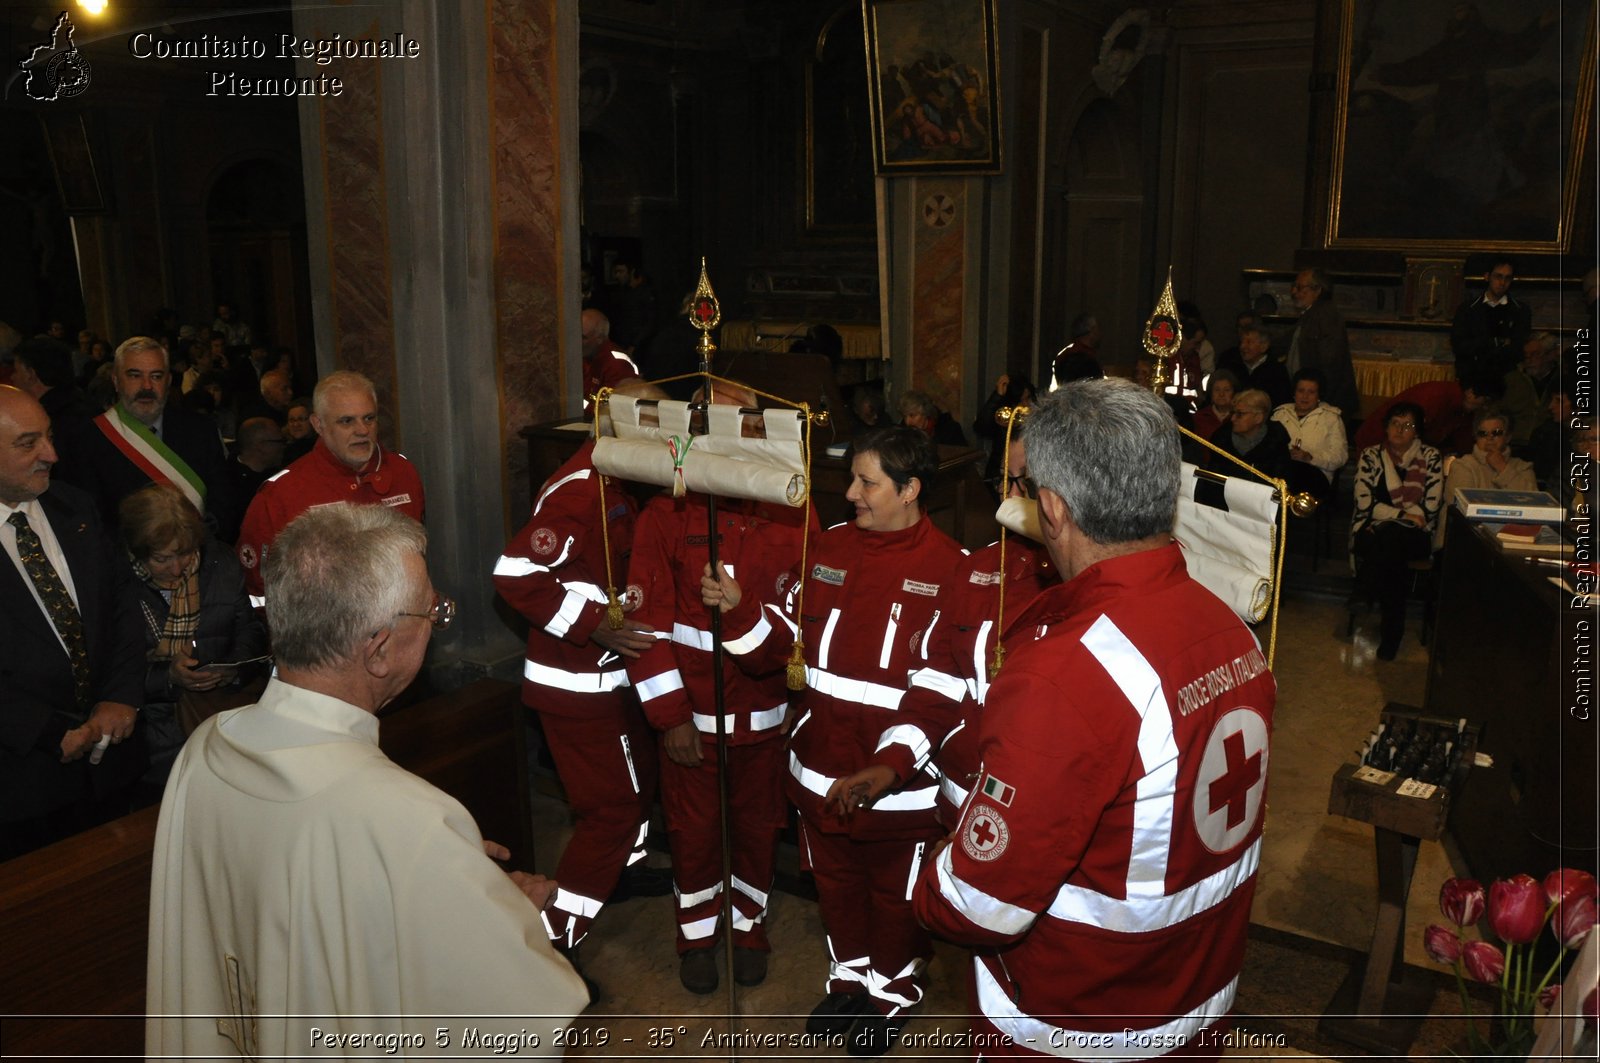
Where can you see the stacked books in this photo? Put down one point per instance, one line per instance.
(1544, 539)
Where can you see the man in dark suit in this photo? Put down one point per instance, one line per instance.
(1320, 342)
(72, 655)
(140, 439)
(1490, 331)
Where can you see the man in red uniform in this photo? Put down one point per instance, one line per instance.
(1105, 860)
(347, 464)
(605, 365)
(555, 573)
(675, 681)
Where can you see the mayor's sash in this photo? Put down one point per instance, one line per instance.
(153, 457)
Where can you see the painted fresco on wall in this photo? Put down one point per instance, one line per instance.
(1461, 123)
(931, 70)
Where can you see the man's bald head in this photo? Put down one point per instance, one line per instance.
(26, 452)
(596, 331)
(277, 389)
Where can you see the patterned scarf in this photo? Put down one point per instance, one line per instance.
(1405, 475)
(176, 636)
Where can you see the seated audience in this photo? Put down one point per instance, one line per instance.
(1009, 390)
(258, 453)
(1256, 368)
(1489, 463)
(866, 402)
(1447, 406)
(1318, 448)
(1218, 407)
(918, 411)
(1252, 436)
(43, 368)
(1398, 493)
(195, 612)
(297, 428)
(1529, 387)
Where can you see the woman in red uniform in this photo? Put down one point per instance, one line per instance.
(869, 589)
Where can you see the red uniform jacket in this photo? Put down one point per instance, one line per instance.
(608, 368)
(553, 572)
(760, 545)
(949, 688)
(315, 480)
(868, 598)
(1106, 858)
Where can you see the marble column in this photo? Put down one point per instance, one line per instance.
(440, 213)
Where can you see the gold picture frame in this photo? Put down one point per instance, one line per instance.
(1463, 126)
(932, 72)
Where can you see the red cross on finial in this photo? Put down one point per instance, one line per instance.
(702, 310)
(1233, 786)
(1163, 333)
(983, 832)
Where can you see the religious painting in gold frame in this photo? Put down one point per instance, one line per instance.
(1461, 125)
(932, 72)
(840, 200)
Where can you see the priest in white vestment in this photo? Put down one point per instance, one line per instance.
(312, 899)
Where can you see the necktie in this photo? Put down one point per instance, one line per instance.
(64, 614)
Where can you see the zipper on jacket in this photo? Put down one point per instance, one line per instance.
(888, 635)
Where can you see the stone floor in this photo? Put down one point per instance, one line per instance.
(1312, 920)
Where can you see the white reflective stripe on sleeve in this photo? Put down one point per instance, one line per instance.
(912, 737)
(980, 909)
(575, 682)
(980, 667)
(752, 638)
(571, 608)
(657, 685)
(940, 683)
(857, 690)
(1126, 1043)
(693, 637)
(689, 900)
(1158, 751)
(577, 903)
(953, 793)
(700, 928)
(827, 638)
(900, 801)
(516, 566)
(258, 601)
(762, 720)
(581, 474)
(1141, 915)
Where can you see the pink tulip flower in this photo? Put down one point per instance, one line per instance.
(1483, 961)
(1549, 995)
(1441, 944)
(1565, 882)
(1461, 900)
(1516, 909)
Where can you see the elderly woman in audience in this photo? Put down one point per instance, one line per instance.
(1398, 491)
(1251, 436)
(1318, 447)
(1220, 390)
(1489, 463)
(196, 618)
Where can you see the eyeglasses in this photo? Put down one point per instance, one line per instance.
(1493, 433)
(1404, 426)
(441, 615)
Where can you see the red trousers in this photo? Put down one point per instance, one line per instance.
(607, 765)
(756, 810)
(863, 893)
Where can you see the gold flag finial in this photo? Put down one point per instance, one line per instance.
(705, 313)
(1163, 333)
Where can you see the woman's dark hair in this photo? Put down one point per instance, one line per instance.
(1316, 376)
(903, 453)
(1401, 409)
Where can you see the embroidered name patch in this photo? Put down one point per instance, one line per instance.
(911, 586)
(397, 500)
(985, 835)
(825, 574)
(984, 579)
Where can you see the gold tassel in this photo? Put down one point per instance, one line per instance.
(795, 673)
(613, 610)
(999, 658)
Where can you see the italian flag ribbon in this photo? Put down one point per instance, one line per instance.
(153, 457)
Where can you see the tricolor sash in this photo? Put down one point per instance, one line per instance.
(153, 457)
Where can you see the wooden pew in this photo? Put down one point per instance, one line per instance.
(73, 916)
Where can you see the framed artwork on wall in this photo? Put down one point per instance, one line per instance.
(1461, 125)
(931, 73)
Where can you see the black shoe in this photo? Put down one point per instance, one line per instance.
(588, 983)
(641, 880)
(837, 1013)
(875, 1035)
(749, 966)
(697, 970)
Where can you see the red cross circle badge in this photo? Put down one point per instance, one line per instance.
(1232, 780)
(984, 835)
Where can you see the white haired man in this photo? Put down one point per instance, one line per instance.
(347, 464)
(306, 889)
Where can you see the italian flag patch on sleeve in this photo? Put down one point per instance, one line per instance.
(997, 791)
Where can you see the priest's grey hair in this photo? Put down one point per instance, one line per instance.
(334, 576)
(1110, 449)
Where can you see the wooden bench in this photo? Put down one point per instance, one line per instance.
(74, 915)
